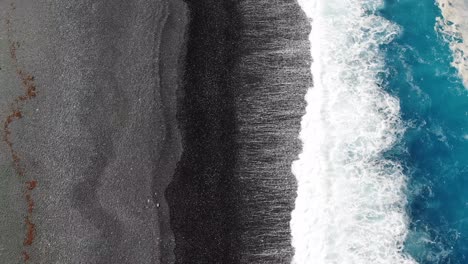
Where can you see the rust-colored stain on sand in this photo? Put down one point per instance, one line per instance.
(30, 232)
(29, 92)
(30, 203)
(26, 256)
(31, 185)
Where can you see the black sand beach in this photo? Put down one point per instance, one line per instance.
(150, 131)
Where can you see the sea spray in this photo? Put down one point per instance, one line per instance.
(453, 27)
(351, 202)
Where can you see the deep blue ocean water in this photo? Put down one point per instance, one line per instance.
(434, 149)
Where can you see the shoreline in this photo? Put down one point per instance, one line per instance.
(233, 193)
(274, 76)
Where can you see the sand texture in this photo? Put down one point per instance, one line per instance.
(89, 139)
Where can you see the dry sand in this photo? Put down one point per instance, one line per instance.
(100, 138)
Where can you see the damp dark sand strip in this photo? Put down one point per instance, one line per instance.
(200, 197)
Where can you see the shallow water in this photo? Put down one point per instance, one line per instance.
(434, 149)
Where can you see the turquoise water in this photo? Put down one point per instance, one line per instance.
(434, 149)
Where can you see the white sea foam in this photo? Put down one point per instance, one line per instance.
(454, 26)
(350, 206)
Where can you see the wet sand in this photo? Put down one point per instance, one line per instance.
(100, 138)
(247, 72)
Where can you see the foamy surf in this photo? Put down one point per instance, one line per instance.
(454, 28)
(350, 206)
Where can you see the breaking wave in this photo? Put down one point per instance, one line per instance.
(351, 201)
